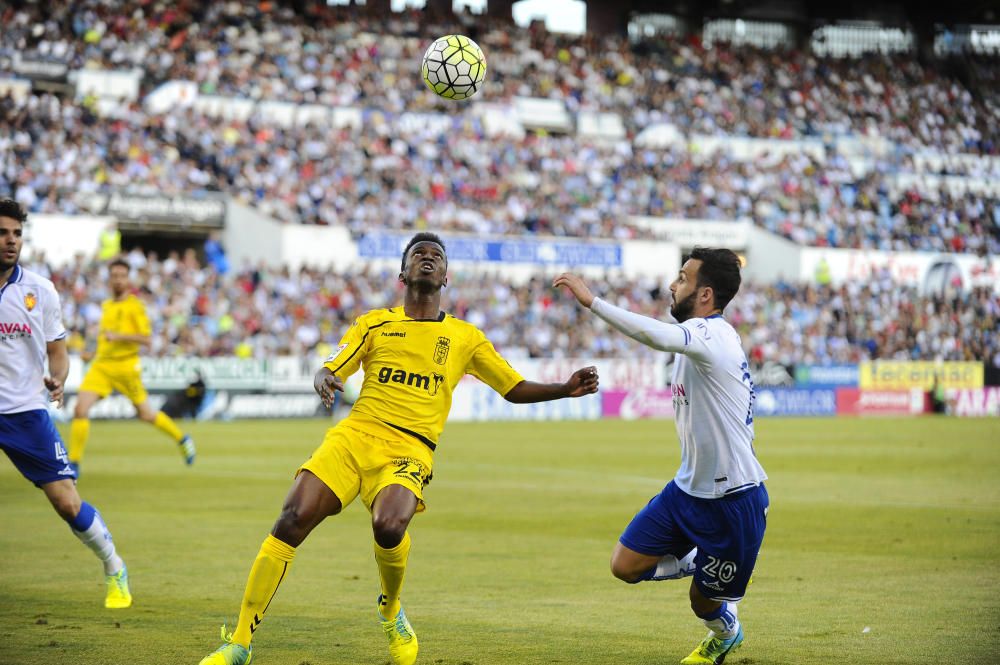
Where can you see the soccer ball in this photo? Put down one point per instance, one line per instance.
(454, 67)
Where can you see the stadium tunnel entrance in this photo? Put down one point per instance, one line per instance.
(163, 241)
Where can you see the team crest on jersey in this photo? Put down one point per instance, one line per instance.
(441, 350)
(30, 300)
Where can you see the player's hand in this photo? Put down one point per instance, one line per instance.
(326, 385)
(583, 382)
(577, 287)
(112, 336)
(55, 389)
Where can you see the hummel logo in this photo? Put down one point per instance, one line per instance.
(393, 334)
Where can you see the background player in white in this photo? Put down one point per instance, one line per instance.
(709, 520)
(31, 331)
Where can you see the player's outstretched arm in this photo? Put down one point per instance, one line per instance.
(325, 383)
(58, 370)
(582, 382)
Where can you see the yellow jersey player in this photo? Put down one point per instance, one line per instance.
(124, 330)
(413, 358)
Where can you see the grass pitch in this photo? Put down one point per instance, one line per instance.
(883, 546)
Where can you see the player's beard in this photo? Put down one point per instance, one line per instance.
(6, 265)
(683, 309)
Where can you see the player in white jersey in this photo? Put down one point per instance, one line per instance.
(709, 520)
(31, 333)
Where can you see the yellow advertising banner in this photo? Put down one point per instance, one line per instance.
(908, 374)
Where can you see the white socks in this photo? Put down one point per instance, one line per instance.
(723, 621)
(92, 532)
(672, 568)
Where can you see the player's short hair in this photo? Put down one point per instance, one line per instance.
(120, 262)
(11, 208)
(423, 236)
(720, 269)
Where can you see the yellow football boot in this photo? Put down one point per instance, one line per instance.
(713, 650)
(118, 594)
(229, 653)
(402, 640)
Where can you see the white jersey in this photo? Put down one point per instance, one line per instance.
(30, 317)
(713, 399)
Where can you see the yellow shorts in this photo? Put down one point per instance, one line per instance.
(357, 458)
(125, 376)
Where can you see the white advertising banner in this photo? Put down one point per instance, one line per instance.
(931, 272)
(975, 402)
(61, 237)
(698, 232)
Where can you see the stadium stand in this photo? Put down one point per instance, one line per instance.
(929, 184)
(262, 312)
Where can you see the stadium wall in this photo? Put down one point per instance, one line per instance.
(61, 237)
(630, 389)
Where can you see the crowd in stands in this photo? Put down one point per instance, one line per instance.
(260, 312)
(346, 56)
(55, 152)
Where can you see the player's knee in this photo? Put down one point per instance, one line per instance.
(701, 605)
(624, 572)
(292, 526)
(388, 530)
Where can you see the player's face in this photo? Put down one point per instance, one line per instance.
(118, 280)
(426, 267)
(11, 241)
(684, 289)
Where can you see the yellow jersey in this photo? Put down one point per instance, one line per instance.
(125, 317)
(412, 366)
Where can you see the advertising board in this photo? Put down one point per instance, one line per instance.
(795, 402)
(907, 374)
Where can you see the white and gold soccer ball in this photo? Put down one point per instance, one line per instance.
(454, 67)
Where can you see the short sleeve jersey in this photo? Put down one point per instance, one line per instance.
(125, 317)
(412, 366)
(30, 318)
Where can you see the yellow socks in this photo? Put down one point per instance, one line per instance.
(391, 569)
(269, 568)
(79, 432)
(166, 424)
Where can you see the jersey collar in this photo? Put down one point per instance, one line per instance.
(15, 276)
(440, 317)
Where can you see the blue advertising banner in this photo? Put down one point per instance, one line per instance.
(795, 402)
(826, 376)
(541, 252)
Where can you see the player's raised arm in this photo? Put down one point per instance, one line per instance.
(651, 332)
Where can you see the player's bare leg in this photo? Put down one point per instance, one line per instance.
(88, 525)
(308, 503)
(392, 511)
(632, 567)
(725, 632)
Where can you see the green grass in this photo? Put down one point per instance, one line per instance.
(887, 525)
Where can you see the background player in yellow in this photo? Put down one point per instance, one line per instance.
(124, 330)
(413, 357)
